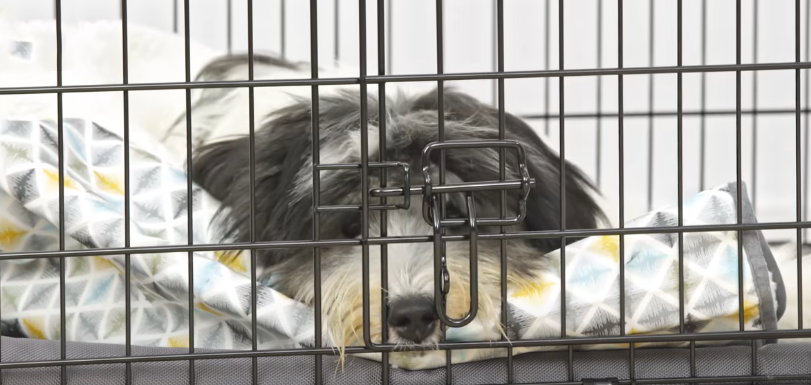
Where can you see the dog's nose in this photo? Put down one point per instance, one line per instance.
(413, 318)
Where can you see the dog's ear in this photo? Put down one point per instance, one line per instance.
(215, 166)
(223, 169)
(543, 205)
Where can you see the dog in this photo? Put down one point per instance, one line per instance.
(284, 203)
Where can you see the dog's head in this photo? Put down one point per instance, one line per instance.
(284, 194)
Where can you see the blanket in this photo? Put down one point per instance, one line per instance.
(94, 292)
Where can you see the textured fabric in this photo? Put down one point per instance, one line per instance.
(94, 217)
(773, 359)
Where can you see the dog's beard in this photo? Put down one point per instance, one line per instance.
(410, 274)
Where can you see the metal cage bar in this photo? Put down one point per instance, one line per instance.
(680, 173)
(61, 155)
(189, 191)
(651, 88)
(316, 193)
(562, 212)
(798, 164)
(703, 128)
(502, 128)
(127, 241)
(598, 150)
(382, 64)
(384, 75)
(547, 26)
(408, 239)
(755, 35)
(409, 78)
(440, 69)
(621, 162)
(251, 183)
(807, 126)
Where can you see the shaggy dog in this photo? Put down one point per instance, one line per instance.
(284, 201)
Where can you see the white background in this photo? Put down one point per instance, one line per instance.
(469, 43)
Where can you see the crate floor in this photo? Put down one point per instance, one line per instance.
(727, 361)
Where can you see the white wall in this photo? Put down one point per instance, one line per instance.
(470, 47)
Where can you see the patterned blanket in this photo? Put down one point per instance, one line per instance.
(94, 218)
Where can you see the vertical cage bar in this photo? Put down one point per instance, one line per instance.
(562, 142)
(384, 220)
(546, 65)
(599, 140)
(494, 63)
(390, 37)
(621, 161)
(807, 145)
(61, 157)
(753, 356)
(440, 69)
(702, 150)
(337, 31)
(651, 45)
(252, 187)
(562, 151)
(283, 27)
(798, 166)
(502, 128)
(702, 141)
(189, 191)
(174, 16)
(364, 168)
(753, 188)
(738, 160)
(680, 170)
(229, 25)
(127, 243)
(316, 197)
(679, 161)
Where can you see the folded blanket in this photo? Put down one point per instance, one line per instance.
(94, 218)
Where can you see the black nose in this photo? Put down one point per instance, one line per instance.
(414, 319)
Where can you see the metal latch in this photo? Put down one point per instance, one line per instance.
(405, 191)
(431, 213)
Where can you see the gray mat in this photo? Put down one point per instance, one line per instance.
(776, 359)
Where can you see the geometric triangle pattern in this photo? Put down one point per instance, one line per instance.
(94, 218)
(652, 306)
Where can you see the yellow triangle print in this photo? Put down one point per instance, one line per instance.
(53, 180)
(205, 308)
(179, 342)
(608, 245)
(101, 264)
(36, 327)
(10, 235)
(108, 183)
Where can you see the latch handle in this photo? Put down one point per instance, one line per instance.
(432, 215)
(442, 276)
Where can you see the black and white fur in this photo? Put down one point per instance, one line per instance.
(284, 207)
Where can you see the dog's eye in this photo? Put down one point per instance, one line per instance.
(351, 229)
